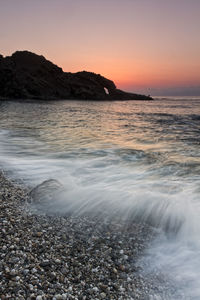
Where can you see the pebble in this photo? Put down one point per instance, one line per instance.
(58, 297)
(103, 295)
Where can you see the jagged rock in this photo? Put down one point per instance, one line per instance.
(46, 192)
(25, 75)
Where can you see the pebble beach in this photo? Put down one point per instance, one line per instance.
(52, 257)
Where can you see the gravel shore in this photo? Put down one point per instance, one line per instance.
(52, 257)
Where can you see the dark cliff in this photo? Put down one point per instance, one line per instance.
(25, 75)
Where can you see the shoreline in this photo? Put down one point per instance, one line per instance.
(53, 257)
(39, 100)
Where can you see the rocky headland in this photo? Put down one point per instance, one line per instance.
(25, 75)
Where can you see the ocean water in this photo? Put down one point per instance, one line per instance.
(134, 159)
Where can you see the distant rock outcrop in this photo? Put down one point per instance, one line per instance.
(25, 75)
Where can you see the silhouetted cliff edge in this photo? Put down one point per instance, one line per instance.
(26, 75)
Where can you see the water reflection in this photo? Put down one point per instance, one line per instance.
(64, 125)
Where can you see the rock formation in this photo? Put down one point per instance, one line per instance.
(25, 75)
(46, 192)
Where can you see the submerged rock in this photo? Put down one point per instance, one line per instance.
(45, 192)
(25, 75)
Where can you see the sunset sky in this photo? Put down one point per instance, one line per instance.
(150, 46)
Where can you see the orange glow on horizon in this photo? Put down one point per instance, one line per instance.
(134, 43)
(140, 75)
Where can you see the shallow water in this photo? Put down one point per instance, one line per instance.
(133, 159)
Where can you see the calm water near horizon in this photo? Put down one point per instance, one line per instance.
(141, 158)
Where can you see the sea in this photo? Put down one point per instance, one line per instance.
(138, 159)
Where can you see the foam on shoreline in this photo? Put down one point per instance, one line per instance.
(45, 257)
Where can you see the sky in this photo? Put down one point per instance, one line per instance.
(150, 46)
